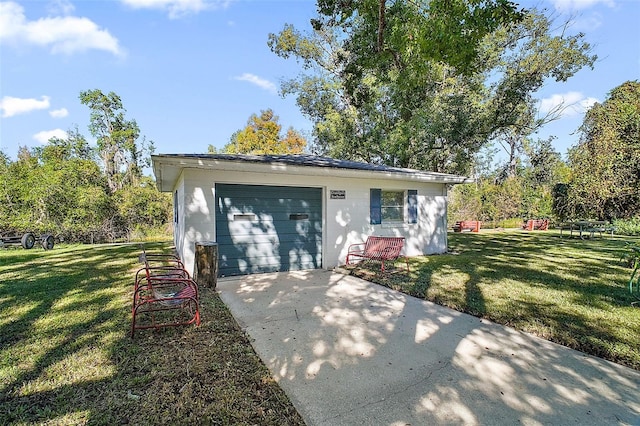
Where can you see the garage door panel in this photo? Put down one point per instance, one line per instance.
(279, 229)
(263, 258)
(253, 213)
(268, 228)
(280, 238)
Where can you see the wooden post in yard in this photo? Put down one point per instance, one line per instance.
(205, 268)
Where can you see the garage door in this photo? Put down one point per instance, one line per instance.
(268, 228)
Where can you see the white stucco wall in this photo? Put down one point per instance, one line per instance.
(345, 221)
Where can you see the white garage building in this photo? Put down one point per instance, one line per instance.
(291, 212)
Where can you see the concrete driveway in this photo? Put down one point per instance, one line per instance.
(349, 352)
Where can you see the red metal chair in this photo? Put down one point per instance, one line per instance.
(163, 296)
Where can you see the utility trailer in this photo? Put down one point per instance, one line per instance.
(29, 239)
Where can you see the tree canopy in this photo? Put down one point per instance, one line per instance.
(262, 135)
(606, 162)
(383, 83)
(120, 148)
(600, 180)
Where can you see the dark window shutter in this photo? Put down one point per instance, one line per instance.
(412, 205)
(375, 204)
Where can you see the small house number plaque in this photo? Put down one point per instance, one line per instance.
(338, 194)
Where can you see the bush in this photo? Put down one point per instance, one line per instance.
(627, 226)
(511, 223)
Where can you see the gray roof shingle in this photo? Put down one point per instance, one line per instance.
(303, 160)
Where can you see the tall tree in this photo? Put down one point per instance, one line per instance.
(262, 136)
(399, 109)
(606, 162)
(521, 58)
(75, 145)
(390, 99)
(120, 148)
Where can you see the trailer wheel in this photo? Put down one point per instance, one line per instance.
(47, 242)
(28, 240)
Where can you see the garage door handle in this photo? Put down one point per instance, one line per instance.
(298, 216)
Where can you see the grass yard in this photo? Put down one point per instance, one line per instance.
(570, 291)
(66, 356)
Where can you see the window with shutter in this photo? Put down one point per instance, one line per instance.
(388, 206)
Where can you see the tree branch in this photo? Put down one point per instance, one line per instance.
(381, 23)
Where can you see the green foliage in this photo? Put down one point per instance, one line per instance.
(522, 58)
(122, 152)
(399, 83)
(465, 203)
(509, 223)
(61, 194)
(59, 188)
(142, 206)
(447, 31)
(606, 162)
(629, 226)
(499, 200)
(262, 136)
(560, 204)
(502, 201)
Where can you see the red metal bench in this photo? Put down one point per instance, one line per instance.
(377, 248)
(536, 224)
(469, 225)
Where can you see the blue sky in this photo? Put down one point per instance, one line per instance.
(191, 72)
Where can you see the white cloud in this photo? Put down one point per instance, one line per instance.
(258, 81)
(567, 104)
(44, 136)
(59, 113)
(178, 8)
(573, 5)
(61, 7)
(11, 106)
(64, 34)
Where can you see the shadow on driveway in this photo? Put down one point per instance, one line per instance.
(347, 351)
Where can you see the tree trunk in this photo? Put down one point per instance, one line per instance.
(205, 269)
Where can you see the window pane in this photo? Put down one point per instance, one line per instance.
(392, 214)
(392, 206)
(392, 198)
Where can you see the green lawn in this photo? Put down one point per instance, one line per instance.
(66, 356)
(570, 291)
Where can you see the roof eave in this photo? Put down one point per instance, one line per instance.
(166, 181)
